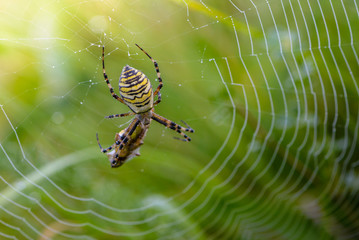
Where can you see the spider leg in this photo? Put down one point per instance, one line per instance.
(121, 115)
(128, 132)
(160, 84)
(114, 95)
(102, 149)
(174, 126)
(158, 99)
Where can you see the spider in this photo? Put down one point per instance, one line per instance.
(136, 92)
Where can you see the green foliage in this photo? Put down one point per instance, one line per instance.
(272, 96)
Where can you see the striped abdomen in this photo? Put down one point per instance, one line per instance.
(136, 90)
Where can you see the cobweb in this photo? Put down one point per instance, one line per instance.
(270, 87)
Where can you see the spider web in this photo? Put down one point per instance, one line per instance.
(270, 87)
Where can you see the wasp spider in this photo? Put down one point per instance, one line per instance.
(136, 92)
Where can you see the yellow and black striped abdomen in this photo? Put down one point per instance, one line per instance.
(136, 90)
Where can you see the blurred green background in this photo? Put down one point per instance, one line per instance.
(270, 87)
